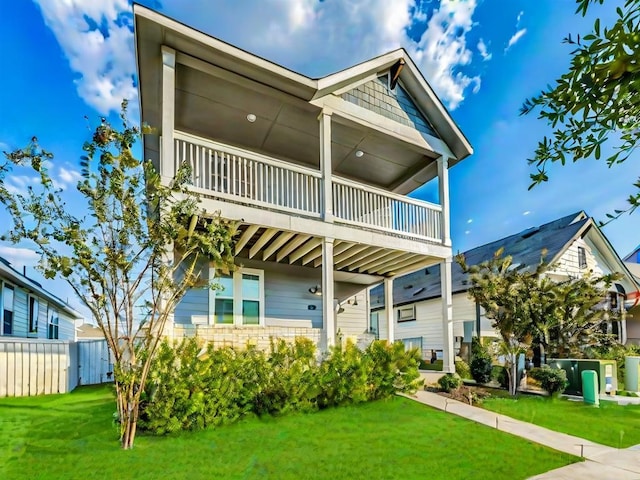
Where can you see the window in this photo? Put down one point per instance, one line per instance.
(7, 309)
(33, 314)
(374, 324)
(613, 301)
(582, 257)
(224, 300)
(53, 325)
(240, 301)
(406, 314)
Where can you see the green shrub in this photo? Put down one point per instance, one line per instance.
(462, 369)
(616, 352)
(449, 381)
(500, 375)
(191, 388)
(553, 380)
(481, 363)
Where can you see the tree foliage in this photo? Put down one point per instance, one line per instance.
(596, 101)
(119, 258)
(526, 306)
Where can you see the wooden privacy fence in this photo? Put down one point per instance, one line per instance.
(41, 367)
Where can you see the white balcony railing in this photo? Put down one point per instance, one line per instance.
(249, 177)
(368, 206)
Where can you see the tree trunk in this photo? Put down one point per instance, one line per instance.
(128, 409)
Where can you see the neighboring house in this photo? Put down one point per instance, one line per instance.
(87, 331)
(317, 172)
(632, 262)
(29, 311)
(574, 245)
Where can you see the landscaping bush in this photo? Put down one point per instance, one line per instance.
(480, 362)
(500, 375)
(191, 388)
(553, 380)
(462, 369)
(450, 381)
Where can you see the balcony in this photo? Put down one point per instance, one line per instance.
(246, 177)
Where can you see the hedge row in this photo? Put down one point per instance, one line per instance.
(192, 388)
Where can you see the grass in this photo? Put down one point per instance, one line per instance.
(71, 436)
(610, 424)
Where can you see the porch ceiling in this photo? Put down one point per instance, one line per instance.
(215, 105)
(353, 262)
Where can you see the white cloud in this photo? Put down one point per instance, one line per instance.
(526, 212)
(442, 50)
(483, 50)
(97, 39)
(69, 176)
(514, 38)
(18, 256)
(4, 147)
(519, 18)
(316, 38)
(470, 220)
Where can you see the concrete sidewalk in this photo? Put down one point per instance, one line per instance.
(602, 462)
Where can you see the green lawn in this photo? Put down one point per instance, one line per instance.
(610, 424)
(71, 436)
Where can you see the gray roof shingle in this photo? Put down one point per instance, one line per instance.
(525, 247)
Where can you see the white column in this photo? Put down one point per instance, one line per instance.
(167, 161)
(448, 359)
(443, 187)
(388, 308)
(328, 309)
(325, 165)
(167, 168)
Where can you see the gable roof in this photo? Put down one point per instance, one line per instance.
(525, 247)
(634, 256)
(153, 30)
(14, 276)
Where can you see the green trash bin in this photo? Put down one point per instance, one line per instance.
(590, 390)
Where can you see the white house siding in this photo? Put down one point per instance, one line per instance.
(353, 322)
(287, 298)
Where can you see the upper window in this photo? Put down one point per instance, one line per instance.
(7, 309)
(33, 314)
(240, 301)
(582, 257)
(53, 330)
(407, 313)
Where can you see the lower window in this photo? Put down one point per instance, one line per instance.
(240, 299)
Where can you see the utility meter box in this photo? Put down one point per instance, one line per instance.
(590, 387)
(632, 374)
(607, 371)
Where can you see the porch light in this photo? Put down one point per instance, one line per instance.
(316, 290)
(359, 153)
(251, 118)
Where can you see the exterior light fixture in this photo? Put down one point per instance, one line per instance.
(251, 117)
(359, 153)
(316, 290)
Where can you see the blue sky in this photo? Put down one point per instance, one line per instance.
(67, 59)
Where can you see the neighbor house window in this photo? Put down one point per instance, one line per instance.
(407, 313)
(582, 257)
(240, 301)
(33, 314)
(53, 325)
(7, 309)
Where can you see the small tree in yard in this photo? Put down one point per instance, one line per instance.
(526, 306)
(119, 258)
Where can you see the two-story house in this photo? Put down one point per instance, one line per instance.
(316, 170)
(573, 246)
(29, 311)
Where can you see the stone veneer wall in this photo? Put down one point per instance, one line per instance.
(240, 337)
